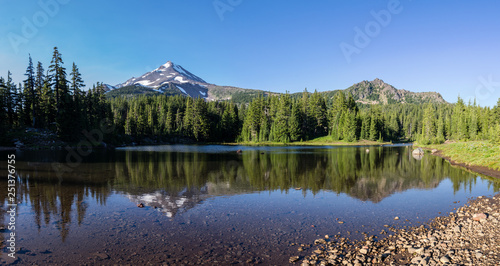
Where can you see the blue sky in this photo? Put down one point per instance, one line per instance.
(451, 47)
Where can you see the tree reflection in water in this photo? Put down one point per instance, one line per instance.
(176, 181)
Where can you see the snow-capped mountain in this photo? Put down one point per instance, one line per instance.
(166, 73)
(170, 77)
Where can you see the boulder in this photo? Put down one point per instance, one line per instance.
(418, 151)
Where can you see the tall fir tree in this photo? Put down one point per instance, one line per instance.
(65, 113)
(428, 126)
(11, 100)
(39, 83)
(29, 95)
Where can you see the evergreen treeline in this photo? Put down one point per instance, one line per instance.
(172, 117)
(54, 100)
(283, 119)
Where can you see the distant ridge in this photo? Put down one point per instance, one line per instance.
(173, 79)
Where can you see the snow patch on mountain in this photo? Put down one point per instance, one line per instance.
(145, 82)
(181, 89)
(181, 79)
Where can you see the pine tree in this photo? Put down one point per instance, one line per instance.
(496, 111)
(295, 122)
(365, 127)
(169, 121)
(3, 103)
(440, 135)
(236, 127)
(201, 126)
(374, 133)
(29, 94)
(39, 82)
(458, 121)
(77, 104)
(65, 114)
(350, 126)
(47, 106)
(57, 76)
(76, 82)
(179, 121)
(462, 127)
(188, 118)
(317, 112)
(11, 99)
(473, 121)
(307, 123)
(281, 121)
(428, 126)
(495, 134)
(130, 124)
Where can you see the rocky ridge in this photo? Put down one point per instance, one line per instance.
(377, 91)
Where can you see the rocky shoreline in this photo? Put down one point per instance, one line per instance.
(468, 236)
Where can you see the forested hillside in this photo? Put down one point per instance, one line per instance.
(54, 101)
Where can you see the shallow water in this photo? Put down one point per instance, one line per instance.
(209, 204)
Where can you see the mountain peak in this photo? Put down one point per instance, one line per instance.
(163, 75)
(170, 78)
(378, 81)
(168, 64)
(377, 91)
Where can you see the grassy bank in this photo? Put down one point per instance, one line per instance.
(321, 141)
(477, 153)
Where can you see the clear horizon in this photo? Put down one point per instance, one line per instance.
(448, 47)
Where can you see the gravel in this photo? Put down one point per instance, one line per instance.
(469, 236)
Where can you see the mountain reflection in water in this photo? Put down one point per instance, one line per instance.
(176, 180)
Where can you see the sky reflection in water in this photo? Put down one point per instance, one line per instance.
(210, 198)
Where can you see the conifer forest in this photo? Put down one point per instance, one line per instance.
(53, 98)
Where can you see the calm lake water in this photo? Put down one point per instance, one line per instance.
(211, 205)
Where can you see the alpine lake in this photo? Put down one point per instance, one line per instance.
(183, 204)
